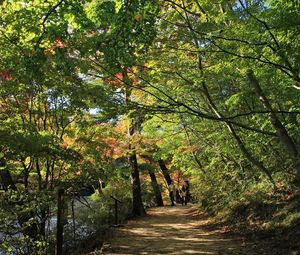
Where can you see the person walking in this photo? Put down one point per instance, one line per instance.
(183, 193)
(171, 192)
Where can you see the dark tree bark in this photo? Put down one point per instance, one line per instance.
(168, 179)
(154, 183)
(38, 170)
(7, 181)
(156, 189)
(137, 203)
(165, 172)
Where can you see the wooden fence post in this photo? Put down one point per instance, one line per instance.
(116, 212)
(60, 223)
(116, 209)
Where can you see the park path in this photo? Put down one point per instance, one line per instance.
(172, 230)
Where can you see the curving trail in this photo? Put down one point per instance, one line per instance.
(173, 230)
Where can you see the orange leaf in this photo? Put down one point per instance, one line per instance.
(6, 75)
(59, 43)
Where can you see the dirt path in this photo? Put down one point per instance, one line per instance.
(172, 230)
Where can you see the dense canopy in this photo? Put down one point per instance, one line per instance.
(124, 98)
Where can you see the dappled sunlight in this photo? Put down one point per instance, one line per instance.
(170, 230)
(198, 252)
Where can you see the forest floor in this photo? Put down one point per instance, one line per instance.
(182, 230)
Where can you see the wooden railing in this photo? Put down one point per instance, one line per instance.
(116, 209)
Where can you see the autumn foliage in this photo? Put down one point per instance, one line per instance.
(6, 75)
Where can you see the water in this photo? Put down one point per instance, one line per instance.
(82, 205)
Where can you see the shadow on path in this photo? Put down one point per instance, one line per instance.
(172, 230)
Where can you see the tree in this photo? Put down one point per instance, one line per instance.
(124, 34)
(219, 43)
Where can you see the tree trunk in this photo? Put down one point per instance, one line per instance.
(281, 131)
(156, 189)
(171, 187)
(137, 203)
(165, 172)
(39, 174)
(239, 141)
(6, 180)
